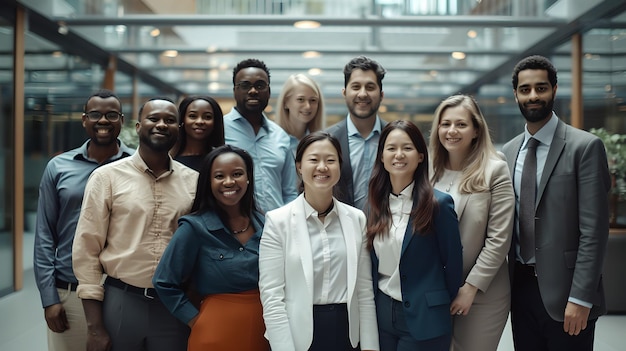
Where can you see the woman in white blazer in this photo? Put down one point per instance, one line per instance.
(314, 265)
(466, 166)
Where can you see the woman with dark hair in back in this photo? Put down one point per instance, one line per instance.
(201, 130)
(417, 257)
(216, 248)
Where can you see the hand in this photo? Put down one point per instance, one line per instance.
(575, 319)
(56, 318)
(98, 339)
(463, 300)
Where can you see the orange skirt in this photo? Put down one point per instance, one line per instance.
(230, 322)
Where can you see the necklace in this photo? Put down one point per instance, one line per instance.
(330, 208)
(243, 230)
(449, 186)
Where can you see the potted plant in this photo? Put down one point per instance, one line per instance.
(615, 145)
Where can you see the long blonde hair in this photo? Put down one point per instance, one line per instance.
(482, 149)
(282, 115)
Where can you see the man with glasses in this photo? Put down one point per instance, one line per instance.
(129, 214)
(60, 197)
(248, 128)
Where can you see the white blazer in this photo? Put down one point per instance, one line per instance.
(286, 278)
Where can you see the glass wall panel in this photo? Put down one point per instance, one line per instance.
(6, 154)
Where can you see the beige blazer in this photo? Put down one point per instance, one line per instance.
(486, 225)
(286, 278)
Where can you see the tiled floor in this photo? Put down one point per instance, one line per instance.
(22, 326)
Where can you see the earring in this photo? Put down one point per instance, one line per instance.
(247, 182)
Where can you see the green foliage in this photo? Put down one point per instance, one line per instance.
(128, 135)
(615, 145)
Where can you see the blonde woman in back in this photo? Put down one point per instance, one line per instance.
(300, 108)
(466, 166)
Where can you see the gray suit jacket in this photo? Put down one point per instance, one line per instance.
(344, 190)
(571, 220)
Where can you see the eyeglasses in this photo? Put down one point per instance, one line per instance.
(111, 116)
(259, 85)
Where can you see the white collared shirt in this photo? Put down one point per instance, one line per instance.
(389, 248)
(330, 260)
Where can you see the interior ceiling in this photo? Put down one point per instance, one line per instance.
(415, 49)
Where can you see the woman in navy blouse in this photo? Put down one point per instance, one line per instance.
(216, 248)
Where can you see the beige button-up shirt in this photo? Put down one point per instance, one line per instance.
(128, 217)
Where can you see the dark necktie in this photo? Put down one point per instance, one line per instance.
(528, 189)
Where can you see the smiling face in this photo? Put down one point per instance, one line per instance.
(158, 125)
(399, 156)
(363, 94)
(535, 95)
(319, 166)
(102, 132)
(251, 101)
(302, 104)
(229, 179)
(456, 130)
(198, 120)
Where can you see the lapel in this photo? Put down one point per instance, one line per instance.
(351, 232)
(346, 167)
(512, 152)
(301, 239)
(556, 148)
(461, 206)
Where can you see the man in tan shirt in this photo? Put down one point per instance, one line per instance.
(129, 214)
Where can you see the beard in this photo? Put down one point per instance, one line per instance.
(157, 146)
(372, 111)
(536, 115)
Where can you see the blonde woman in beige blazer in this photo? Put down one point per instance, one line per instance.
(466, 165)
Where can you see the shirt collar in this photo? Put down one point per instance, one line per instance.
(545, 134)
(143, 167)
(309, 211)
(405, 193)
(239, 116)
(83, 151)
(353, 131)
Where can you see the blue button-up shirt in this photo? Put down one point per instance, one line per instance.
(274, 165)
(60, 198)
(362, 158)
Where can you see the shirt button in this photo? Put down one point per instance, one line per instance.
(221, 257)
(241, 249)
(407, 304)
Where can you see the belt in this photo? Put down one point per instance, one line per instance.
(65, 285)
(148, 293)
(330, 307)
(528, 269)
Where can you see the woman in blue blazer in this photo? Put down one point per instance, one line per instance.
(417, 263)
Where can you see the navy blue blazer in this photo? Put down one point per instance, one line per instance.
(431, 272)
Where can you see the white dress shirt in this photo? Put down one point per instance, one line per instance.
(388, 248)
(330, 260)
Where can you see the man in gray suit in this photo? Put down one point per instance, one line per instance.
(557, 292)
(358, 134)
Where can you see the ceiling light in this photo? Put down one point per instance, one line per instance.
(315, 71)
(307, 24)
(57, 54)
(501, 99)
(472, 34)
(62, 28)
(311, 54)
(211, 49)
(155, 32)
(458, 55)
(214, 87)
(170, 53)
(120, 29)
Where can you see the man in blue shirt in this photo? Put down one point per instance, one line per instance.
(60, 198)
(359, 133)
(248, 128)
